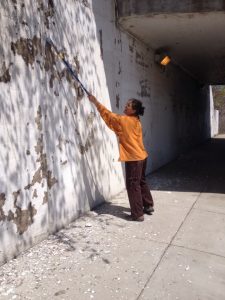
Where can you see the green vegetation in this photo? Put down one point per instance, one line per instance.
(219, 103)
(219, 96)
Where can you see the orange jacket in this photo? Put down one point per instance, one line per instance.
(129, 131)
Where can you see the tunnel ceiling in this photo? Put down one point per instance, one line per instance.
(194, 40)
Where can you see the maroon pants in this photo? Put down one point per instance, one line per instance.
(137, 188)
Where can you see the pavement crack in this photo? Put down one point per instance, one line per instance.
(169, 245)
(197, 250)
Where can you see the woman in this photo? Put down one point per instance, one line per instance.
(129, 131)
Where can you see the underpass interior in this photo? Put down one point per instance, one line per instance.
(190, 34)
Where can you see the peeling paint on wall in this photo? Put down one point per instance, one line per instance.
(51, 180)
(89, 143)
(22, 218)
(27, 48)
(48, 11)
(42, 172)
(5, 77)
(2, 202)
(38, 118)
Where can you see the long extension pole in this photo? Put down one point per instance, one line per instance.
(69, 67)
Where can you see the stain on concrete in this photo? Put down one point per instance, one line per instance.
(120, 69)
(117, 101)
(38, 118)
(2, 202)
(79, 93)
(81, 148)
(132, 45)
(5, 77)
(14, 3)
(90, 118)
(145, 89)
(16, 195)
(131, 48)
(10, 216)
(77, 64)
(35, 195)
(49, 58)
(66, 110)
(24, 23)
(85, 3)
(45, 198)
(60, 144)
(140, 60)
(88, 144)
(40, 146)
(101, 43)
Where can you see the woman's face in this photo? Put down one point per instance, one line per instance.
(128, 110)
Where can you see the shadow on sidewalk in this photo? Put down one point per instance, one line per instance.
(110, 208)
(200, 170)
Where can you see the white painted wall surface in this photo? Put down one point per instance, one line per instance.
(57, 157)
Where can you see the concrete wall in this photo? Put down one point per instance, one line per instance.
(130, 7)
(57, 158)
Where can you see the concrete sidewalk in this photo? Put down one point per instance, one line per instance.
(177, 253)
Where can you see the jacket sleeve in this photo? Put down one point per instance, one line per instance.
(112, 120)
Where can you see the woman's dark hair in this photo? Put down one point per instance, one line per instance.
(138, 107)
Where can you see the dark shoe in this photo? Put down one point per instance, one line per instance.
(139, 219)
(148, 210)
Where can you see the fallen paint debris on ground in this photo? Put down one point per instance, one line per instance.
(176, 253)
